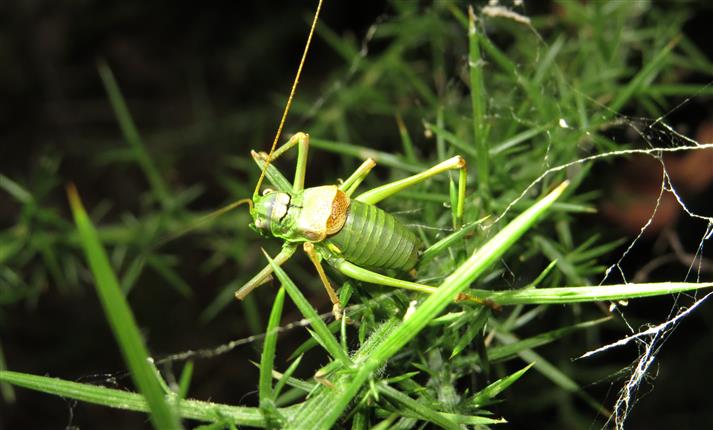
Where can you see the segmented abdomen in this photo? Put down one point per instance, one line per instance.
(375, 239)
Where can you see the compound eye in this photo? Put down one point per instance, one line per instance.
(267, 191)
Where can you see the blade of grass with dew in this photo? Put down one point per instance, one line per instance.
(132, 136)
(121, 399)
(267, 361)
(321, 330)
(121, 319)
(347, 386)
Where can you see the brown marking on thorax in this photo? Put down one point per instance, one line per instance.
(338, 216)
(324, 212)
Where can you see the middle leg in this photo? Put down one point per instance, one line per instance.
(315, 259)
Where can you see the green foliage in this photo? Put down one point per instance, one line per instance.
(440, 84)
(122, 321)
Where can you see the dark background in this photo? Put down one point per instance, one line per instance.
(181, 64)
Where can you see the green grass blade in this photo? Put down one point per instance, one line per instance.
(132, 136)
(267, 359)
(406, 141)
(588, 293)
(484, 396)
(6, 391)
(680, 90)
(422, 410)
(311, 413)
(519, 138)
(184, 382)
(477, 98)
(510, 350)
(503, 352)
(120, 399)
(166, 272)
(122, 320)
(286, 377)
(16, 190)
(321, 330)
(639, 81)
(447, 136)
(472, 330)
(312, 342)
(553, 373)
(445, 243)
(362, 153)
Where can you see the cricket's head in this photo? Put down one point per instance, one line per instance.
(269, 212)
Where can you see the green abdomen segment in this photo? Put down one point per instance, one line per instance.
(374, 239)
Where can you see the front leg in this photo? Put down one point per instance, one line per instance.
(315, 259)
(266, 273)
(302, 141)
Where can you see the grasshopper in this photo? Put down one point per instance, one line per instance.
(331, 224)
(350, 233)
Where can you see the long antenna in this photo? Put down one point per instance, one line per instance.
(289, 99)
(202, 220)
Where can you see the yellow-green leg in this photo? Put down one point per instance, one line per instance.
(315, 259)
(266, 273)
